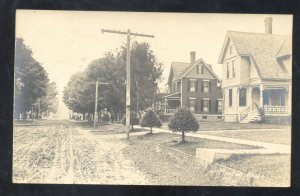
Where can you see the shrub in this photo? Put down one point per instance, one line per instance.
(150, 119)
(106, 118)
(134, 120)
(183, 121)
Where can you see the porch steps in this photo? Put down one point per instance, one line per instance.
(251, 117)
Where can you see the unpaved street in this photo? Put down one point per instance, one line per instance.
(61, 152)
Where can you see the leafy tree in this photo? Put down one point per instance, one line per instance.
(31, 79)
(183, 121)
(134, 120)
(150, 119)
(49, 102)
(146, 72)
(79, 94)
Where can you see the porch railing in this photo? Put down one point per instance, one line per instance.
(170, 111)
(275, 109)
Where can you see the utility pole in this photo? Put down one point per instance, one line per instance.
(129, 34)
(96, 101)
(96, 104)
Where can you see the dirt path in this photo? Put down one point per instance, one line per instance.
(59, 152)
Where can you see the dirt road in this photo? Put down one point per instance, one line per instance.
(61, 152)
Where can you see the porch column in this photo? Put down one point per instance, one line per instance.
(237, 101)
(165, 105)
(249, 98)
(261, 99)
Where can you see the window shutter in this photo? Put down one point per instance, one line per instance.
(202, 86)
(209, 105)
(196, 109)
(217, 106)
(201, 107)
(196, 86)
(209, 86)
(188, 84)
(197, 69)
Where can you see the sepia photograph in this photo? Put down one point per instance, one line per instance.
(140, 98)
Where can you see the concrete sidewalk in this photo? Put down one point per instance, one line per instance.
(266, 148)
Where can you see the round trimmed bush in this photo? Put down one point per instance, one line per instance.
(183, 121)
(150, 119)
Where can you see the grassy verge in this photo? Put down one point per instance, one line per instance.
(165, 167)
(193, 143)
(275, 167)
(217, 126)
(273, 136)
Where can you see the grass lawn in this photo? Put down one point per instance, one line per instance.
(275, 167)
(164, 167)
(282, 136)
(193, 143)
(216, 126)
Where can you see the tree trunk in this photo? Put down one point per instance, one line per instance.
(151, 130)
(131, 127)
(182, 136)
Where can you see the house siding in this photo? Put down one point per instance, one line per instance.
(214, 94)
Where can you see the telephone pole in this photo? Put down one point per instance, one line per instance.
(96, 101)
(129, 34)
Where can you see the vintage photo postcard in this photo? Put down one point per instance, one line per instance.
(133, 98)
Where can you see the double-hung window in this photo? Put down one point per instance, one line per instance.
(192, 85)
(205, 86)
(205, 106)
(192, 104)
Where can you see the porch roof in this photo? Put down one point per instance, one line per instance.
(173, 96)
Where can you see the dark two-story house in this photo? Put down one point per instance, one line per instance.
(196, 87)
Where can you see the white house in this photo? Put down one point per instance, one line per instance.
(257, 73)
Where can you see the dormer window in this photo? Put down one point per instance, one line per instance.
(200, 69)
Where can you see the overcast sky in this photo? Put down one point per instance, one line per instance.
(66, 41)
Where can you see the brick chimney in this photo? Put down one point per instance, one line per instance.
(193, 56)
(268, 25)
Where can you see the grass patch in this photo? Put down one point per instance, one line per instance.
(192, 143)
(275, 167)
(273, 136)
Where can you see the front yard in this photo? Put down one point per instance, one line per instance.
(217, 126)
(282, 136)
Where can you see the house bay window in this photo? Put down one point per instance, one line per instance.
(192, 85)
(243, 97)
(192, 105)
(230, 97)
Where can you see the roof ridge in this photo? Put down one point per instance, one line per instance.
(257, 33)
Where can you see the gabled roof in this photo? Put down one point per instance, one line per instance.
(176, 69)
(191, 66)
(263, 50)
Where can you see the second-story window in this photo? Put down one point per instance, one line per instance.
(205, 86)
(192, 85)
(200, 69)
(230, 69)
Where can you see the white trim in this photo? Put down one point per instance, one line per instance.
(206, 98)
(192, 98)
(220, 99)
(206, 80)
(193, 79)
